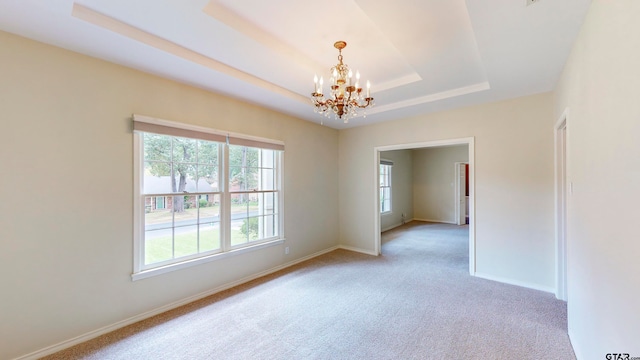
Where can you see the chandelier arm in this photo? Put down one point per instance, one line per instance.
(362, 106)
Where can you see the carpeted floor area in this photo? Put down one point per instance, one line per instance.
(416, 301)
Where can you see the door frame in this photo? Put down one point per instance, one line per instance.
(562, 191)
(470, 142)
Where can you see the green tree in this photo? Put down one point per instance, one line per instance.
(181, 159)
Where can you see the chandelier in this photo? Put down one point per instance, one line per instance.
(345, 97)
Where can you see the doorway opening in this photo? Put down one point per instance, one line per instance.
(470, 174)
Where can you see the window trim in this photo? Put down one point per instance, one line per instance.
(142, 124)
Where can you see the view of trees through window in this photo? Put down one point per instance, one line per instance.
(252, 184)
(184, 194)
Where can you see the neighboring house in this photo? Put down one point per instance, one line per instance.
(162, 185)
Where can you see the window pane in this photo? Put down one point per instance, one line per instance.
(268, 159)
(208, 152)
(267, 179)
(157, 178)
(268, 205)
(268, 226)
(184, 177)
(252, 179)
(209, 207)
(184, 150)
(252, 205)
(237, 179)
(238, 234)
(185, 241)
(157, 147)
(252, 226)
(243, 168)
(242, 156)
(239, 205)
(185, 210)
(385, 198)
(209, 236)
(158, 245)
(208, 179)
(158, 218)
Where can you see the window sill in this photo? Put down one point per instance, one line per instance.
(189, 263)
(386, 213)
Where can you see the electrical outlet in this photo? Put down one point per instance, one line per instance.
(286, 250)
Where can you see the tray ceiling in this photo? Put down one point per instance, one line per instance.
(420, 56)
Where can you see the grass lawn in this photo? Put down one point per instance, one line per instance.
(160, 248)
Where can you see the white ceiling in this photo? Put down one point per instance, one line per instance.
(420, 55)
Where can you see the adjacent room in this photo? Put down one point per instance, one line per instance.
(243, 179)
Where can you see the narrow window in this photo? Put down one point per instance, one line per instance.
(385, 186)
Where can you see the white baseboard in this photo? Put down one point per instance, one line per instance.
(437, 221)
(396, 225)
(525, 284)
(390, 227)
(120, 324)
(358, 250)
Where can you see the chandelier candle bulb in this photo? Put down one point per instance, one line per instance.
(315, 82)
(368, 89)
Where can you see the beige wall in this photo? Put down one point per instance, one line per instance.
(513, 182)
(66, 154)
(401, 188)
(67, 187)
(434, 178)
(600, 86)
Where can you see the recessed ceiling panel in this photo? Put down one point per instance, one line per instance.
(420, 55)
(308, 34)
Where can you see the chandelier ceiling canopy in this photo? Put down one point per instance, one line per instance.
(345, 96)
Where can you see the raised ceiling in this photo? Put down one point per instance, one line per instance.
(420, 55)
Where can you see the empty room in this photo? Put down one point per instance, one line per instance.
(216, 179)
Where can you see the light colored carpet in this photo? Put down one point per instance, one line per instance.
(416, 301)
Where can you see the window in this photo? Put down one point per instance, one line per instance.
(254, 200)
(385, 186)
(200, 194)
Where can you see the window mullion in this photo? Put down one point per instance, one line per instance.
(225, 211)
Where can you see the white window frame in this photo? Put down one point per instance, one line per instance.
(140, 270)
(389, 165)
